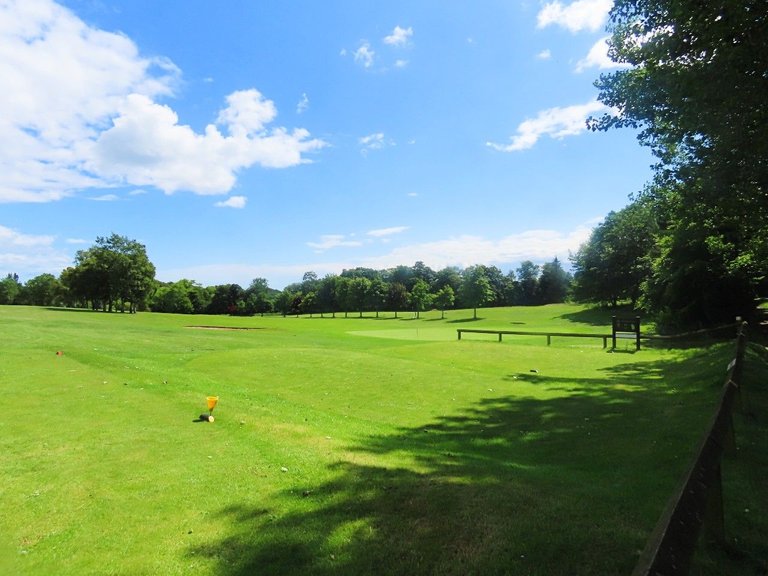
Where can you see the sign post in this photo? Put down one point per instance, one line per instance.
(626, 328)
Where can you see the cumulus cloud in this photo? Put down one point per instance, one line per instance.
(577, 16)
(232, 202)
(399, 36)
(556, 123)
(544, 54)
(364, 55)
(147, 145)
(598, 58)
(60, 138)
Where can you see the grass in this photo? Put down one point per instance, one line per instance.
(345, 446)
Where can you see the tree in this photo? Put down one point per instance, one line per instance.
(448, 276)
(475, 289)
(497, 283)
(696, 90)
(309, 303)
(420, 298)
(171, 298)
(444, 298)
(510, 289)
(9, 289)
(227, 299)
(114, 271)
(421, 271)
(553, 283)
(528, 283)
(358, 293)
(613, 264)
(285, 301)
(327, 295)
(377, 295)
(401, 275)
(397, 299)
(43, 290)
(257, 296)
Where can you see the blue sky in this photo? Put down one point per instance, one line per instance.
(245, 139)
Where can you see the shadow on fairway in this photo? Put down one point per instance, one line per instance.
(599, 316)
(463, 320)
(572, 484)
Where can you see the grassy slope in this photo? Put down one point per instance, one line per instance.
(334, 452)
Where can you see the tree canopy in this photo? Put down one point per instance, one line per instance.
(113, 272)
(695, 88)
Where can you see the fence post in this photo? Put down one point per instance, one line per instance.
(714, 523)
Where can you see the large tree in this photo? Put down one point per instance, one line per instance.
(528, 283)
(613, 264)
(475, 289)
(696, 89)
(554, 283)
(113, 272)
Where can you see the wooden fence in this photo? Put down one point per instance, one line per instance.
(698, 500)
(549, 335)
(620, 328)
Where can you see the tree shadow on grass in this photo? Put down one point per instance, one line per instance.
(464, 320)
(570, 482)
(598, 315)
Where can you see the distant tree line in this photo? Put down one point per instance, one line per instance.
(115, 274)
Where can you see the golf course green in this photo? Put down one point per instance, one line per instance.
(354, 445)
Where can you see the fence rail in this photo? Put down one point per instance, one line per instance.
(549, 335)
(698, 500)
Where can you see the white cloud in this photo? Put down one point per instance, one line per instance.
(536, 245)
(328, 241)
(303, 104)
(383, 232)
(544, 54)
(247, 113)
(58, 138)
(364, 55)
(400, 63)
(232, 202)
(146, 146)
(577, 16)
(29, 255)
(399, 37)
(556, 123)
(467, 250)
(106, 198)
(598, 58)
(376, 141)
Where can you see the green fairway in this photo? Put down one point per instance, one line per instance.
(340, 445)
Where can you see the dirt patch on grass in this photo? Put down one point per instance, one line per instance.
(226, 327)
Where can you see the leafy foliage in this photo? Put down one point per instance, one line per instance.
(696, 90)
